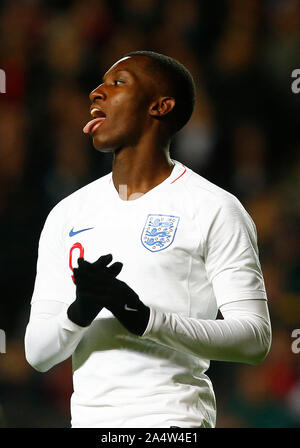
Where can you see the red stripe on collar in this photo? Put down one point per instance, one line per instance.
(179, 176)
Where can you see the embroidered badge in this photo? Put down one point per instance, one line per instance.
(159, 232)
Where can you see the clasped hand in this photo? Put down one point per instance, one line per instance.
(97, 287)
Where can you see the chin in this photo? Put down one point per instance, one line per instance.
(103, 146)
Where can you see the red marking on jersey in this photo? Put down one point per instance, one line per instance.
(179, 176)
(81, 255)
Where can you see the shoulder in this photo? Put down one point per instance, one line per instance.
(213, 204)
(84, 193)
(206, 189)
(76, 201)
(208, 195)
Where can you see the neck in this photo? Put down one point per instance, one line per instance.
(136, 170)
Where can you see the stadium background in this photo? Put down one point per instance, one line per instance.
(244, 136)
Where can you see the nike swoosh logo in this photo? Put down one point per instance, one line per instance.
(129, 309)
(74, 232)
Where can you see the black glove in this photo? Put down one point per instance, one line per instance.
(99, 288)
(88, 279)
(126, 306)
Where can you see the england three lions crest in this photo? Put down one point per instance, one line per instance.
(159, 232)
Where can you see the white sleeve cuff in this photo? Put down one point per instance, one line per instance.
(155, 322)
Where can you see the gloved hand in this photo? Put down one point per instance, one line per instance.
(126, 306)
(88, 279)
(98, 285)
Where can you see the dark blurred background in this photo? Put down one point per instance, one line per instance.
(244, 136)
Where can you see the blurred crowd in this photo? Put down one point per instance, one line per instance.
(243, 136)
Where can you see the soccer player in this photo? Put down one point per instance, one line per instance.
(133, 267)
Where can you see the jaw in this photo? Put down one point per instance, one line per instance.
(103, 144)
(122, 129)
(110, 139)
(103, 148)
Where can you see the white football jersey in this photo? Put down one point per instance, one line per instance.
(187, 247)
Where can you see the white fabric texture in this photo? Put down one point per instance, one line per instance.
(244, 335)
(50, 336)
(188, 248)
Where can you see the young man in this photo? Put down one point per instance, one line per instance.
(159, 251)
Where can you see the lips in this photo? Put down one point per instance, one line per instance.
(99, 117)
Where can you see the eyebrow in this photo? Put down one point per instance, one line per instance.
(117, 71)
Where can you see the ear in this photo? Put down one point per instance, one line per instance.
(162, 106)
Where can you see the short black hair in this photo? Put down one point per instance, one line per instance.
(181, 83)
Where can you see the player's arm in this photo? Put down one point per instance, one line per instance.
(57, 322)
(50, 336)
(244, 335)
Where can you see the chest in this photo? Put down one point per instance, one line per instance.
(159, 235)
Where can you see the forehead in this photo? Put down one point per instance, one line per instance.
(136, 65)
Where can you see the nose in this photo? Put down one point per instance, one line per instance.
(97, 93)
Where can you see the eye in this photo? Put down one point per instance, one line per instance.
(118, 82)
